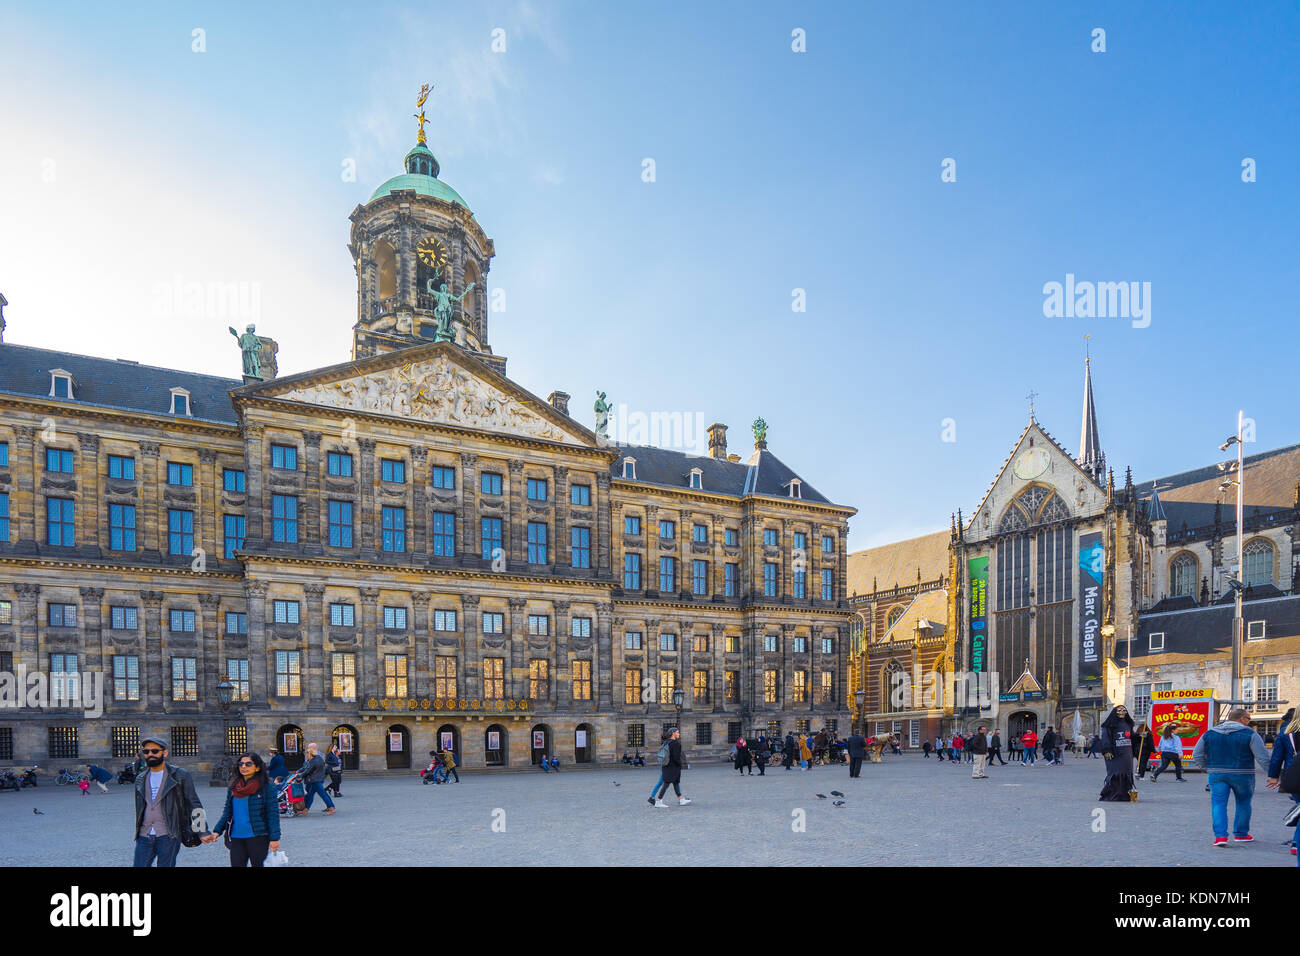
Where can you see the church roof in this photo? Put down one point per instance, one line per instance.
(423, 186)
(115, 383)
(1200, 633)
(763, 474)
(1189, 497)
(895, 564)
(1090, 454)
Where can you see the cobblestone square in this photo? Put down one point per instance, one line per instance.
(907, 811)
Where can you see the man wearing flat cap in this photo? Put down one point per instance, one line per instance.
(165, 802)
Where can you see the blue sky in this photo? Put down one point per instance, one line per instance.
(130, 161)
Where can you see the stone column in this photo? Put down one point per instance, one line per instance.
(785, 577)
(719, 533)
(256, 504)
(841, 565)
(815, 662)
(311, 542)
(28, 628)
(650, 567)
(314, 690)
(206, 504)
(422, 676)
(651, 646)
(147, 521)
(88, 496)
(209, 641)
(22, 503)
(92, 624)
(472, 679)
(562, 692)
(561, 524)
(785, 693)
(604, 672)
(513, 526)
(259, 690)
(602, 535)
(366, 500)
(368, 664)
(686, 656)
(419, 498)
(468, 496)
(718, 657)
(154, 676)
(517, 664)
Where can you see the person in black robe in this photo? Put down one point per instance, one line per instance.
(1117, 748)
(743, 757)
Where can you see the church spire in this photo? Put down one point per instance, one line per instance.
(1091, 458)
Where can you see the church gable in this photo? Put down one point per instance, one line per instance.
(434, 385)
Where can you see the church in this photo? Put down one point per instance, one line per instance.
(403, 552)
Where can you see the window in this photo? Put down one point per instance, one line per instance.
(58, 460)
(232, 479)
(580, 547)
(343, 675)
(828, 584)
(631, 524)
(800, 687)
(537, 542)
(539, 625)
(769, 537)
(444, 534)
(1156, 641)
(769, 643)
(393, 471)
(185, 683)
(180, 621)
(1141, 699)
(444, 676)
(700, 687)
(632, 685)
(1266, 690)
(729, 575)
(800, 645)
(799, 580)
(667, 684)
(667, 642)
(1255, 630)
(828, 645)
(444, 620)
(1258, 557)
(796, 488)
(632, 640)
(284, 518)
(60, 522)
(667, 574)
(237, 674)
(801, 727)
(236, 739)
(233, 527)
(284, 612)
(580, 627)
(180, 402)
(394, 520)
(443, 477)
(697, 478)
(489, 483)
(769, 686)
(731, 538)
(537, 489)
(895, 613)
(539, 679)
(288, 674)
(632, 572)
(580, 495)
(338, 463)
(7, 617)
(700, 643)
(1182, 574)
(394, 618)
(490, 537)
(126, 742)
(828, 544)
(493, 623)
(769, 579)
(121, 467)
(394, 675)
(284, 457)
(6, 743)
(180, 532)
(4, 517)
(668, 530)
(126, 677)
(700, 533)
(121, 527)
(731, 685)
(123, 618)
(180, 474)
(63, 742)
(636, 735)
(236, 622)
(185, 742)
(343, 615)
(61, 615)
(629, 469)
(699, 577)
(800, 543)
(733, 644)
(494, 681)
(582, 680)
(4, 454)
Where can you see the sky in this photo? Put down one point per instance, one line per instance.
(855, 212)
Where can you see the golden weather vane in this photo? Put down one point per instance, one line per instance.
(425, 90)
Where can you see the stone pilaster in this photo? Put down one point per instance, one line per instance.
(149, 519)
(314, 680)
(517, 663)
(207, 487)
(366, 530)
(422, 675)
(718, 659)
(562, 686)
(212, 667)
(785, 657)
(88, 496)
(22, 503)
(368, 663)
(513, 525)
(601, 545)
(472, 678)
(29, 598)
(259, 690)
(92, 624)
(154, 675)
(419, 498)
(257, 503)
(311, 517)
(467, 534)
(561, 523)
(650, 566)
(602, 664)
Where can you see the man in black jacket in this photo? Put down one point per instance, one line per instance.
(857, 750)
(791, 751)
(164, 799)
(977, 745)
(313, 772)
(995, 749)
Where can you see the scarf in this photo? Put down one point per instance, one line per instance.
(246, 788)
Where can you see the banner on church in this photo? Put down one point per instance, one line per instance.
(1092, 575)
(978, 573)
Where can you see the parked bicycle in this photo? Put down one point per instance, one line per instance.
(66, 777)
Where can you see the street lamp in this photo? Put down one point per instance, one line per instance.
(679, 697)
(1237, 584)
(861, 698)
(224, 767)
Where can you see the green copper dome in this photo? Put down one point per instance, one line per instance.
(422, 176)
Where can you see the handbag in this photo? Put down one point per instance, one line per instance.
(1290, 779)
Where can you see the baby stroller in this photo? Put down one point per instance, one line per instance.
(290, 792)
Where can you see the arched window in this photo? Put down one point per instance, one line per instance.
(894, 695)
(1183, 572)
(386, 265)
(1258, 557)
(894, 614)
(473, 303)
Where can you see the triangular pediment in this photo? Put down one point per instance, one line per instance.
(1025, 683)
(438, 384)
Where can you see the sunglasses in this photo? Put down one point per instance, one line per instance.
(246, 763)
(151, 752)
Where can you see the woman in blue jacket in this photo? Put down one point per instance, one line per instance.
(1284, 751)
(250, 817)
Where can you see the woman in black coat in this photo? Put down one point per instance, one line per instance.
(743, 758)
(251, 820)
(673, 770)
(1117, 748)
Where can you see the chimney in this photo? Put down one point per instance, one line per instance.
(717, 440)
(559, 401)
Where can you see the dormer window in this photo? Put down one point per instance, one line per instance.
(796, 488)
(697, 478)
(629, 468)
(180, 401)
(61, 383)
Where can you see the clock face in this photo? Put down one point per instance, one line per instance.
(1032, 464)
(432, 253)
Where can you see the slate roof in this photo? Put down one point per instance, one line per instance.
(932, 606)
(1189, 496)
(114, 383)
(895, 564)
(763, 474)
(1205, 633)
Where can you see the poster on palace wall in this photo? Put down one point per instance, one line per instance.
(1092, 575)
(1189, 711)
(978, 571)
(345, 742)
(446, 739)
(539, 740)
(395, 742)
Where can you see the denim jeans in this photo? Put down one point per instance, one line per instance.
(315, 788)
(1242, 786)
(1030, 754)
(164, 848)
(658, 783)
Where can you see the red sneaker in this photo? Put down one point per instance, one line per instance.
(1246, 839)
(1220, 841)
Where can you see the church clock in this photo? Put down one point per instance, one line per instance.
(1032, 464)
(433, 254)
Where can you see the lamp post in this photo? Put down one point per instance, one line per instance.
(1238, 584)
(861, 698)
(679, 697)
(223, 768)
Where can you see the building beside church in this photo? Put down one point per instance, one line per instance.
(401, 552)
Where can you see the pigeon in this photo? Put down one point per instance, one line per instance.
(836, 793)
(838, 803)
(821, 796)
(39, 813)
(616, 783)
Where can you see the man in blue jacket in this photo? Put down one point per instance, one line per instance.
(1229, 752)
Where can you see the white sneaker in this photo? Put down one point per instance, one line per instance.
(660, 803)
(682, 801)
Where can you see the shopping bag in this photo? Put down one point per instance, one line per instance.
(276, 858)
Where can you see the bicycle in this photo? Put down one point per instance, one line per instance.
(66, 777)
